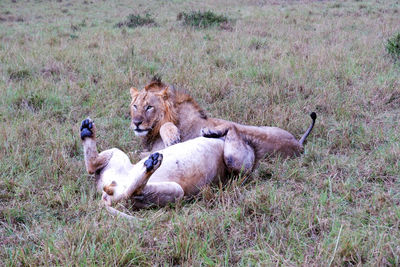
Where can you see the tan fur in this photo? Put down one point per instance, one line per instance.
(95, 162)
(170, 133)
(186, 167)
(175, 116)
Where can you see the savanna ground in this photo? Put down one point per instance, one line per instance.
(271, 64)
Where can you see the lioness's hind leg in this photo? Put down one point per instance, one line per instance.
(239, 156)
(93, 161)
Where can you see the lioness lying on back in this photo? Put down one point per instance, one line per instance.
(186, 168)
(163, 116)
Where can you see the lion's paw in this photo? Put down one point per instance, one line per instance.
(209, 133)
(153, 162)
(171, 142)
(87, 128)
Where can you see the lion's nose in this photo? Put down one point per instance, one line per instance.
(137, 122)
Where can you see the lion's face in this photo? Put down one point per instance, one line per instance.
(146, 110)
(150, 109)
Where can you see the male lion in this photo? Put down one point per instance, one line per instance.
(163, 116)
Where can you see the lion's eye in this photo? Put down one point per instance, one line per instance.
(134, 107)
(149, 108)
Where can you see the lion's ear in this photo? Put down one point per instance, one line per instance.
(164, 93)
(134, 92)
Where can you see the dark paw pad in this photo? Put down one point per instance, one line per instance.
(152, 161)
(175, 141)
(212, 133)
(86, 128)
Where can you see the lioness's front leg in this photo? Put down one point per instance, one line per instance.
(93, 161)
(170, 134)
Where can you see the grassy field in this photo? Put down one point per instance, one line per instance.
(271, 63)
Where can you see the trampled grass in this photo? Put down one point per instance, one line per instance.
(338, 204)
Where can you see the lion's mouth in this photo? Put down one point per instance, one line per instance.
(141, 132)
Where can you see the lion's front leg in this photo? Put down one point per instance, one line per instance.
(93, 161)
(170, 134)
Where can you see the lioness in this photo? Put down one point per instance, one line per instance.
(186, 168)
(163, 116)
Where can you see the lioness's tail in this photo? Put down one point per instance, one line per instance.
(313, 116)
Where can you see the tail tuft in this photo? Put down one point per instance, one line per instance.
(313, 116)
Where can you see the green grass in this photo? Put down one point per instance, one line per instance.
(135, 20)
(393, 46)
(199, 19)
(338, 204)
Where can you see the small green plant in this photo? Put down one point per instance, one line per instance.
(19, 75)
(337, 5)
(202, 19)
(393, 46)
(136, 20)
(73, 36)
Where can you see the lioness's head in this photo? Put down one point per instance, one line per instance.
(150, 109)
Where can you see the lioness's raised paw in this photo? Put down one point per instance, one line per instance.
(87, 128)
(209, 133)
(153, 162)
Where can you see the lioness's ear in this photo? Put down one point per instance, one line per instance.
(164, 93)
(134, 92)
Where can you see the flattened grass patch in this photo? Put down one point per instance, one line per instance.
(136, 20)
(33, 102)
(199, 19)
(51, 103)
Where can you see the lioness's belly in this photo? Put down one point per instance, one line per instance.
(192, 164)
